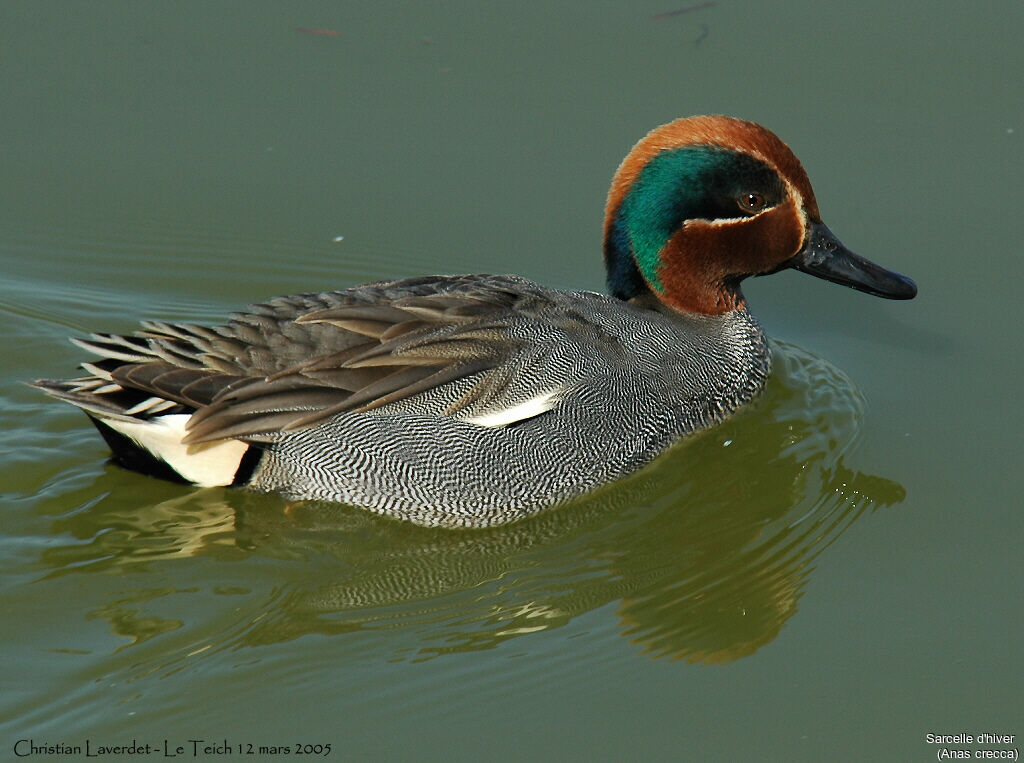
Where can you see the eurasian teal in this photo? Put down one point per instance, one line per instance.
(475, 400)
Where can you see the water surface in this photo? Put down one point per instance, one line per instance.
(833, 574)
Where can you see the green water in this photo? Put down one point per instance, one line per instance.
(831, 575)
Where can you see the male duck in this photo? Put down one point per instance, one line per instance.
(475, 400)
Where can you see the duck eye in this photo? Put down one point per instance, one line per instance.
(751, 202)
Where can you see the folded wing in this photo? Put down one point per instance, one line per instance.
(295, 362)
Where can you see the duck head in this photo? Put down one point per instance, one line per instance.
(701, 203)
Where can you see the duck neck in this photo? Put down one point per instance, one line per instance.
(624, 279)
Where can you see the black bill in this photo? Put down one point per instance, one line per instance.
(824, 256)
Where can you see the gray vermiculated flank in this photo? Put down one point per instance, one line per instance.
(632, 381)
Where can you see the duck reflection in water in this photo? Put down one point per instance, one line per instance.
(706, 552)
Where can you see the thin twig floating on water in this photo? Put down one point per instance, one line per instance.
(680, 11)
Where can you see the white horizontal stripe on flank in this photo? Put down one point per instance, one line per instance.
(525, 410)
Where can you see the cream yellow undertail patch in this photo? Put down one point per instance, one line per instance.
(206, 464)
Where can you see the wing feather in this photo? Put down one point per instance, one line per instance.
(296, 361)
